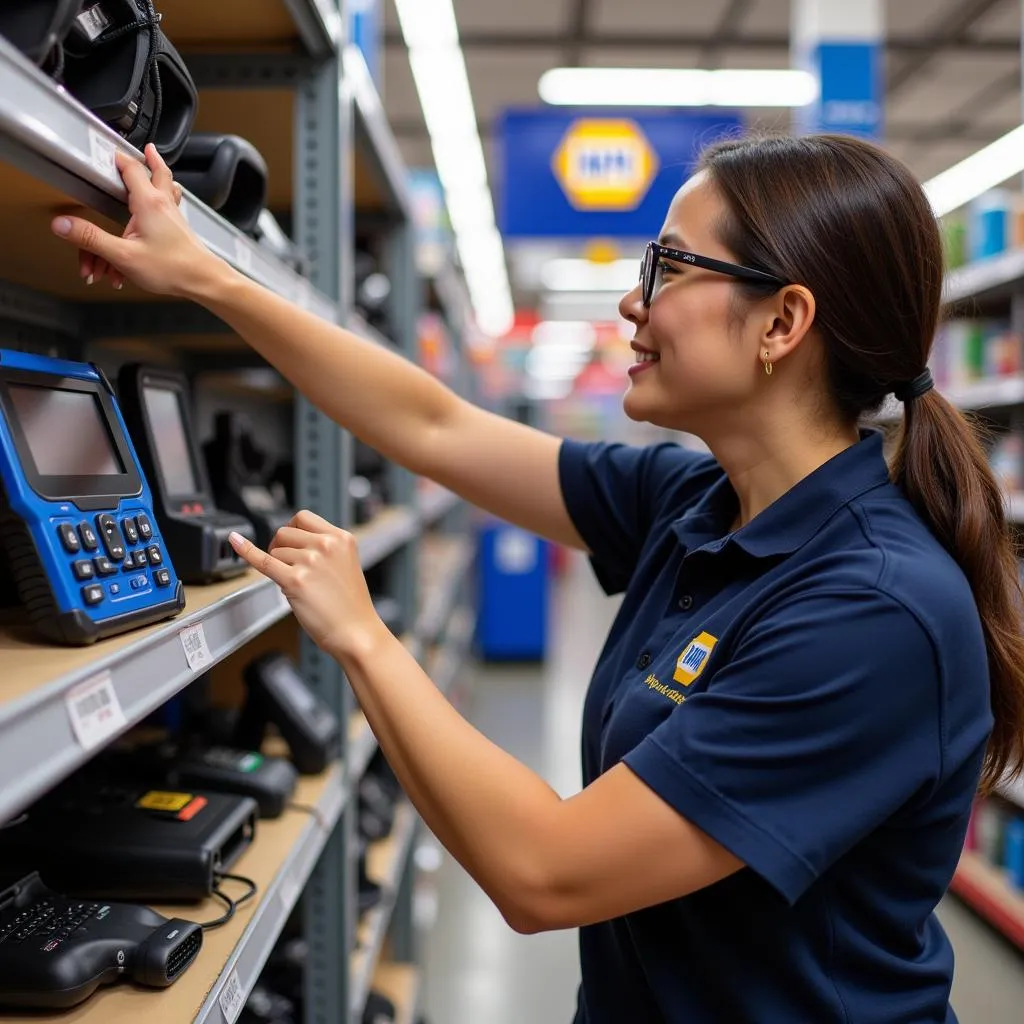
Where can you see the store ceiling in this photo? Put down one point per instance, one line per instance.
(953, 67)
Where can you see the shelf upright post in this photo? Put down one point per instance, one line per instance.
(323, 225)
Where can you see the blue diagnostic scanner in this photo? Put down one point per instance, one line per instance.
(76, 516)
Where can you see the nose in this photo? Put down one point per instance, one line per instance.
(631, 306)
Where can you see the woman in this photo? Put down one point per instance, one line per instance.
(815, 660)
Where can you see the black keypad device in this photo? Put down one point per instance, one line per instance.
(145, 528)
(130, 530)
(89, 539)
(154, 556)
(69, 538)
(112, 540)
(82, 569)
(92, 594)
(162, 577)
(104, 566)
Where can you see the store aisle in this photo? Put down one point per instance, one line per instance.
(478, 970)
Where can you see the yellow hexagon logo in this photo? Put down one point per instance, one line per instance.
(605, 165)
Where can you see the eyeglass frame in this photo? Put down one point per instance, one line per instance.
(655, 252)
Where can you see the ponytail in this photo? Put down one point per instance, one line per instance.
(940, 465)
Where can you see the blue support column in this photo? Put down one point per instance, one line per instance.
(840, 43)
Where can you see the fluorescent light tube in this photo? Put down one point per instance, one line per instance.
(425, 24)
(677, 87)
(979, 172)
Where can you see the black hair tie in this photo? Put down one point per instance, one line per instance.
(915, 388)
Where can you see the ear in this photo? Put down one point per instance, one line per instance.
(790, 316)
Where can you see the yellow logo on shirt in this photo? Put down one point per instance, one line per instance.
(694, 658)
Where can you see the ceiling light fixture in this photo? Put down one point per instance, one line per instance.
(677, 87)
(438, 67)
(976, 174)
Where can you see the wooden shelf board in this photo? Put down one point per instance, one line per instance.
(401, 984)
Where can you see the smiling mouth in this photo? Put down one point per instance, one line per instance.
(647, 357)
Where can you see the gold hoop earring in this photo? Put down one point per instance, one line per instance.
(768, 368)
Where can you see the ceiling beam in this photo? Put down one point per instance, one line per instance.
(576, 32)
(900, 46)
(949, 32)
(726, 29)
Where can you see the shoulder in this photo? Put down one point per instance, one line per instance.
(663, 473)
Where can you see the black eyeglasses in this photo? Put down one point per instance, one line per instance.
(655, 253)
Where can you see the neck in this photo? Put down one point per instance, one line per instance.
(763, 466)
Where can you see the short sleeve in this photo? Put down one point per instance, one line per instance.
(823, 723)
(615, 492)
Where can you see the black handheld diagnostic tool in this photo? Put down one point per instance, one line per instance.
(277, 693)
(156, 408)
(76, 517)
(55, 952)
(270, 781)
(128, 842)
(241, 472)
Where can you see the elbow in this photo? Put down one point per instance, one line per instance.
(534, 906)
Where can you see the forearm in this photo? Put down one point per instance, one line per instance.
(495, 816)
(383, 399)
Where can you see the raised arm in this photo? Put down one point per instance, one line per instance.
(391, 404)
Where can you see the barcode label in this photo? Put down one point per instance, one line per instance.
(101, 154)
(95, 711)
(289, 892)
(197, 651)
(232, 998)
(243, 255)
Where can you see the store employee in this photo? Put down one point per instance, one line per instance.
(817, 657)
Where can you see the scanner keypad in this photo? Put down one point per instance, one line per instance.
(123, 544)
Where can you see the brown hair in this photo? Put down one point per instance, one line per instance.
(851, 223)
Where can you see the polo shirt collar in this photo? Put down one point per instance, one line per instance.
(792, 520)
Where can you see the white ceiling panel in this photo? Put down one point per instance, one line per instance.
(646, 17)
(400, 98)
(1002, 22)
(947, 84)
(519, 15)
(916, 17)
(752, 57)
(648, 57)
(502, 78)
(766, 18)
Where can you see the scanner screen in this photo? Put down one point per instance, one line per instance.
(66, 431)
(172, 448)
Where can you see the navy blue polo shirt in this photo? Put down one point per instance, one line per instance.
(812, 692)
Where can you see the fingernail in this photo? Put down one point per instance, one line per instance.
(62, 226)
(90, 279)
(119, 285)
(236, 539)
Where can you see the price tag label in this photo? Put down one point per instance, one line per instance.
(243, 255)
(95, 711)
(232, 998)
(289, 891)
(101, 154)
(197, 650)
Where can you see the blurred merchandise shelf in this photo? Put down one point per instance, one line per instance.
(986, 890)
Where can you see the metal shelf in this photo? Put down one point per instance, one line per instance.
(986, 394)
(440, 603)
(986, 890)
(401, 983)
(146, 667)
(435, 503)
(388, 532)
(280, 861)
(51, 137)
(376, 147)
(385, 864)
(448, 659)
(987, 280)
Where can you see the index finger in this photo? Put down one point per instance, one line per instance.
(262, 561)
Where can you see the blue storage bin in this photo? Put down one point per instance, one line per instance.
(513, 593)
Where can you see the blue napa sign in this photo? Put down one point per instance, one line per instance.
(607, 174)
(850, 99)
